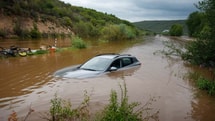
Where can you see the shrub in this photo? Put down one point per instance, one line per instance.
(66, 21)
(203, 83)
(62, 110)
(118, 32)
(200, 53)
(82, 29)
(18, 29)
(207, 85)
(77, 42)
(125, 111)
(34, 33)
(195, 23)
(176, 30)
(3, 33)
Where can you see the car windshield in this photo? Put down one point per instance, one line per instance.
(96, 64)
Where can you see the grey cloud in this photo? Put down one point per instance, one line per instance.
(139, 10)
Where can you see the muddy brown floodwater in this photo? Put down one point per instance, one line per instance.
(28, 81)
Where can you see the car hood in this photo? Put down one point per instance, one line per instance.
(75, 72)
(81, 74)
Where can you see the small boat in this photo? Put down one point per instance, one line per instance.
(22, 54)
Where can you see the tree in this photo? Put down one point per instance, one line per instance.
(202, 51)
(195, 23)
(176, 30)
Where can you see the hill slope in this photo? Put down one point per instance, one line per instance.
(30, 18)
(159, 26)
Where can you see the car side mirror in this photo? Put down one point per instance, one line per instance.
(113, 68)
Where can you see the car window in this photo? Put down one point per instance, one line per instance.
(134, 60)
(96, 63)
(126, 61)
(122, 62)
(116, 63)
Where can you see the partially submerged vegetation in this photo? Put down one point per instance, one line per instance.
(203, 83)
(77, 42)
(122, 110)
(200, 51)
(178, 49)
(116, 110)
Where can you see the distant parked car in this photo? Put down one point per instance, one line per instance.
(98, 65)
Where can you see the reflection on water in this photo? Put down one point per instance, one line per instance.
(29, 81)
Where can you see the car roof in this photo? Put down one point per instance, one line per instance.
(113, 55)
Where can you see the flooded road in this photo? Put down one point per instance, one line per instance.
(28, 81)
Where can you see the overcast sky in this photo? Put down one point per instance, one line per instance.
(140, 10)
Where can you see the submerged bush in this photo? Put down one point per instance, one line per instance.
(62, 110)
(3, 33)
(176, 30)
(121, 111)
(124, 111)
(207, 85)
(116, 110)
(77, 42)
(203, 83)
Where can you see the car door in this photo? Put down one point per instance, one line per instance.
(117, 64)
(122, 62)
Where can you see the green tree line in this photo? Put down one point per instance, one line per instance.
(201, 25)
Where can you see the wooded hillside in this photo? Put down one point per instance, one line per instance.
(160, 25)
(42, 18)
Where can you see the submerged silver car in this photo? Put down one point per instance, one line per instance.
(98, 65)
